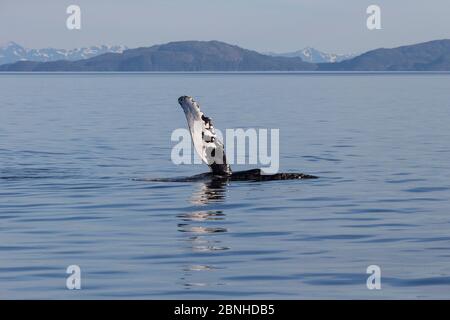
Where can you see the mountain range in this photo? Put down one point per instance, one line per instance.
(312, 55)
(427, 56)
(173, 56)
(220, 56)
(12, 52)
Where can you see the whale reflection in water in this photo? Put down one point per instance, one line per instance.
(202, 231)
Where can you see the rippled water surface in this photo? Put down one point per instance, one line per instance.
(75, 149)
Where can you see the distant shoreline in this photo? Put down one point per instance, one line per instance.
(215, 56)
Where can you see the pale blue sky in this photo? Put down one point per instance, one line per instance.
(264, 25)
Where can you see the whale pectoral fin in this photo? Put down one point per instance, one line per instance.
(206, 143)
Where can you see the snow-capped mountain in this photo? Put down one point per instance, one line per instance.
(12, 52)
(314, 56)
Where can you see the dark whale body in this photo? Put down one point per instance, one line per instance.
(253, 175)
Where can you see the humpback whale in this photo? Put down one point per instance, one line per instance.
(211, 150)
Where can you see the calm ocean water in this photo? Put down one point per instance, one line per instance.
(72, 147)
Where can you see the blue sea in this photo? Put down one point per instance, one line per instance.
(77, 150)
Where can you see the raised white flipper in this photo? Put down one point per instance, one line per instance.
(206, 144)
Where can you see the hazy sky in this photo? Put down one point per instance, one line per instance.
(264, 25)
